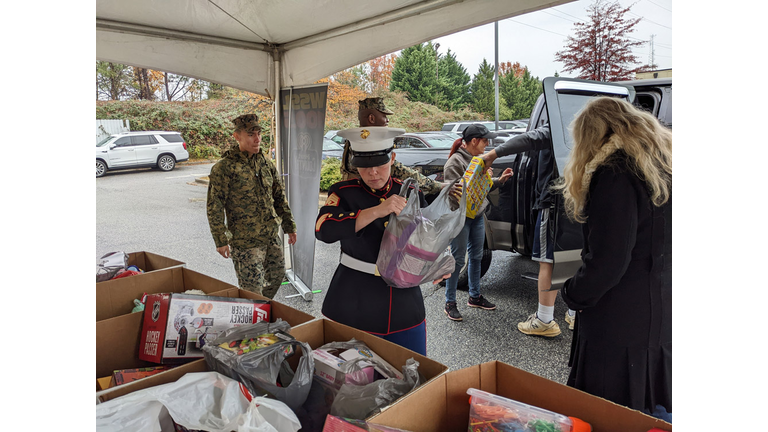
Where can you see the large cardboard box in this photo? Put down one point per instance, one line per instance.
(115, 297)
(316, 333)
(118, 339)
(443, 404)
(149, 262)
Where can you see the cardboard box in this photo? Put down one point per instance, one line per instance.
(316, 333)
(115, 297)
(443, 404)
(149, 262)
(118, 339)
(176, 326)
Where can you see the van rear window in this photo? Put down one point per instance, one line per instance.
(447, 127)
(172, 137)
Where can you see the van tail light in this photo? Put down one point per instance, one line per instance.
(184, 144)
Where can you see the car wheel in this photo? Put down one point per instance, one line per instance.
(485, 264)
(166, 162)
(101, 168)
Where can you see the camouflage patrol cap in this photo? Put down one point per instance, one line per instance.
(376, 103)
(247, 122)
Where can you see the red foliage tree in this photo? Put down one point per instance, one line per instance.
(601, 49)
(508, 67)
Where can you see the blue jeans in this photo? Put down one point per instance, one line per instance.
(472, 236)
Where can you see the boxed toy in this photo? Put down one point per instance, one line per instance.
(478, 184)
(328, 370)
(123, 376)
(176, 326)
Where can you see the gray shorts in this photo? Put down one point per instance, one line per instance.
(543, 238)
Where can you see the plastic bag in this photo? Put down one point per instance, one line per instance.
(198, 401)
(360, 402)
(414, 248)
(110, 264)
(261, 365)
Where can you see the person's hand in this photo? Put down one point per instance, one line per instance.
(223, 251)
(506, 175)
(456, 190)
(448, 276)
(394, 204)
(489, 157)
(490, 171)
(291, 238)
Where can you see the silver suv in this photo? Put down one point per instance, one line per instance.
(161, 149)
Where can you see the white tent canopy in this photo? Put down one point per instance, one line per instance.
(246, 44)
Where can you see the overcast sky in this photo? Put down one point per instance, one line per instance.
(534, 38)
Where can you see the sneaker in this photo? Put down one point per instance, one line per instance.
(536, 327)
(571, 320)
(480, 302)
(452, 311)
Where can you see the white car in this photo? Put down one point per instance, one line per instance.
(161, 149)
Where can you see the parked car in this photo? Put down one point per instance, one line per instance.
(510, 218)
(424, 140)
(331, 135)
(461, 125)
(332, 149)
(161, 149)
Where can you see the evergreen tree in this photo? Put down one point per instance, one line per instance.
(453, 83)
(520, 93)
(113, 81)
(415, 73)
(483, 90)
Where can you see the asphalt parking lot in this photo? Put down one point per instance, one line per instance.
(164, 213)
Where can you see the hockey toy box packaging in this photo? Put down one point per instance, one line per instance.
(176, 326)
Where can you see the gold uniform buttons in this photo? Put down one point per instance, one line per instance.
(351, 214)
(385, 224)
(381, 200)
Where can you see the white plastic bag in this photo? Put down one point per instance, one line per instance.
(198, 401)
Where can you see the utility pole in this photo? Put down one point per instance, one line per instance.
(496, 71)
(652, 55)
(437, 73)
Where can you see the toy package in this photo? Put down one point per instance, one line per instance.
(342, 424)
(478, 183)
(491, 413)
(177, 326)
(123, 376)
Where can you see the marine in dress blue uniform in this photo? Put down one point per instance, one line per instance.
(357, 295)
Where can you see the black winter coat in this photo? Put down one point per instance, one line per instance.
(622, 345)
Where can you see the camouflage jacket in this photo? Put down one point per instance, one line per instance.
(399, 171)
(248, 192)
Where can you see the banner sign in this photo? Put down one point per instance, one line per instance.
(302, 125)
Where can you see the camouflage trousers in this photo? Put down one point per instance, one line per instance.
(260, 269)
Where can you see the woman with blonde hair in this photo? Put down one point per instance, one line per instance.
(618, 184)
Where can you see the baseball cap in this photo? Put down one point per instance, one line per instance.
(370, 145)
(477, 131)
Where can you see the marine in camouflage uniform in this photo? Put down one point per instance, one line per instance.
(373, 112)
(246, 201)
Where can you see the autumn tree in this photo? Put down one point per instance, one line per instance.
(415, 73)
(113, 81)
(601, 49)
(179, 87)
(380, 72)
(147, 83)
(453, 83)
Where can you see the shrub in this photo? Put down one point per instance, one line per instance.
(204, 152)
(330, 173)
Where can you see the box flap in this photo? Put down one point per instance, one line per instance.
(115, 297)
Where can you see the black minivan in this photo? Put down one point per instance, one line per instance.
(510, 218)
